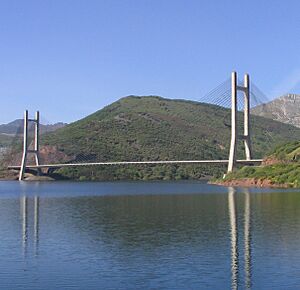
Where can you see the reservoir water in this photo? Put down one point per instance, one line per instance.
(148, 235)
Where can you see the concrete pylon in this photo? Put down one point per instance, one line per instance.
(246, 137)
(25, 146)
(247, 143)
(26, 150)
(232, 152)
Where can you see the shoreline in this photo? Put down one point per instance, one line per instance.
(250, 182)
(243, 182)
(31, 177)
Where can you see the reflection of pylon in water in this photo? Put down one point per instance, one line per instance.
(234, 234)
(24, 214)
(247, 239)
(26, 149)
(233, 238)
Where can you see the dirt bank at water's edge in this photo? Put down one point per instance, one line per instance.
(249, 182)
(14, 175)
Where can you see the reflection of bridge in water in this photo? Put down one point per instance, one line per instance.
(34, 203)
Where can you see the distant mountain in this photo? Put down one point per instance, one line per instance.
(13, 130)
(285, 109)
(16, 127)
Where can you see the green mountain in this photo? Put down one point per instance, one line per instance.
(281, 168)
(154, 128)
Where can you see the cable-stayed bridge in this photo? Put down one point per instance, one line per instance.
(234, 94)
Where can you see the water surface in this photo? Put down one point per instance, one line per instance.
(147, 235)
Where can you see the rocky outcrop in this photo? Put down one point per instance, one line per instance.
(285, 109)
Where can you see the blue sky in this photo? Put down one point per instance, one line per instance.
(69, 58)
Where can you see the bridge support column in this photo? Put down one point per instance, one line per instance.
(26, 150)
(232, 152)
(247, 143)
(246, 137)
(37, 140)
(25, 146)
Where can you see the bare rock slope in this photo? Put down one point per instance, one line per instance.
(285, 109)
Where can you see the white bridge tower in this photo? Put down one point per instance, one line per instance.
(246, 136)
(26, 149)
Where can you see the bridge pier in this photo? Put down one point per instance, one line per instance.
(246, 137)
(26, 149)
(232, 152)
(25, 145)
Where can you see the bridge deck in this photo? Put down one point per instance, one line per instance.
(245, 162)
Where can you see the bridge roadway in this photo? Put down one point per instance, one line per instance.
(245, 162)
